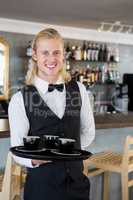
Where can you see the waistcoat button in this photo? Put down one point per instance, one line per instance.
(62, 134)
(68, 170)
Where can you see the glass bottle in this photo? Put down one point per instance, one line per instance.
(84, 51)
(29, 49)
(68, 52)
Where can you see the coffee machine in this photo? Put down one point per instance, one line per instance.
(128, 80)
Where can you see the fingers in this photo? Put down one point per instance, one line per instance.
(47, 161)
(39, 162)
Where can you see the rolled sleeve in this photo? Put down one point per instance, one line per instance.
(87, 125)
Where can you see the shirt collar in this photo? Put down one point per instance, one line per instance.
(42, 85)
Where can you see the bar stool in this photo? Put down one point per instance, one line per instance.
(94, 175)
(11, 186)
(110, 161)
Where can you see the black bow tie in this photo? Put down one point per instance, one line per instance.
(58, 87)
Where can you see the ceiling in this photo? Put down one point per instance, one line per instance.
(76, 13)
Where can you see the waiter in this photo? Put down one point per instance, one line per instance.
(51, 103)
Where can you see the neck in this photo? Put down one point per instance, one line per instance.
(49, 79)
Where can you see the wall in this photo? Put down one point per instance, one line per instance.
(18, 61)
(126, 59)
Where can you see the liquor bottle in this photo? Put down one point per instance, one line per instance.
(68, 52)
(29, 49)
(84, 51)
(117, 78)
(93, 50)
(104, 73)
(100, 75)
(89, 52)
(85, 80)
(78, 54)
(105, 53)
(96, 74)
(68, 65)
(73, 50)
(108, 79)
(100, 54)
(112, 54)
(88, 75)
(93, 76)
(109, 53)
(96, 52)
(75, 74)
(111, 75)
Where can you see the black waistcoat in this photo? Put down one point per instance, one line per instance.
(56, 180)
(44, 121)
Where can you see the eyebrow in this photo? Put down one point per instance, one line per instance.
(56, 50)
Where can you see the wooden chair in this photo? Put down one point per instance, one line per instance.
(11, 186)
(110, 161)
(90, 170)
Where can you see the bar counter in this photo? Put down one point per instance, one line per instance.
(117, 120)
(4, 134)
(102, 121)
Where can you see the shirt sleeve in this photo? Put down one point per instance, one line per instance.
(87, 125)
(19, 125)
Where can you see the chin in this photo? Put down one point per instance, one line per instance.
(53, 72)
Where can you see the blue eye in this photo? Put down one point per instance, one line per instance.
(54, 53)
(57, 52)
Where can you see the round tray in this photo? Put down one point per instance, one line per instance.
(50, 154)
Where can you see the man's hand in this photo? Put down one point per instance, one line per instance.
(40, 162)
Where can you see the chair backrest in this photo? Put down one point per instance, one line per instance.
(128, 154)
(6, 185)
(12, 180)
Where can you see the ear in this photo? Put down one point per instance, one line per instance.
(34, 56)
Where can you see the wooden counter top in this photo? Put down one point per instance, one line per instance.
(103, 121)
(4, 134)
(117, 120)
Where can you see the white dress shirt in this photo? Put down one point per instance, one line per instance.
(56, 101)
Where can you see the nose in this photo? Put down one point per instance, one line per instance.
(51, 58)
(52, 55)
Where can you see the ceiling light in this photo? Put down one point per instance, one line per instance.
(130, 29)
(120, 29)
(101, 28)
(117, 26)
(111, 28)
(117, 23)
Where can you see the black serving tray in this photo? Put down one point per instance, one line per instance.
(50, 154)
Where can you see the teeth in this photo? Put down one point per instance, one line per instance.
(50, 66)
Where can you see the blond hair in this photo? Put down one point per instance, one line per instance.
(48, 33)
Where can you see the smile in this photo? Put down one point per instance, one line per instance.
(51, 66)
